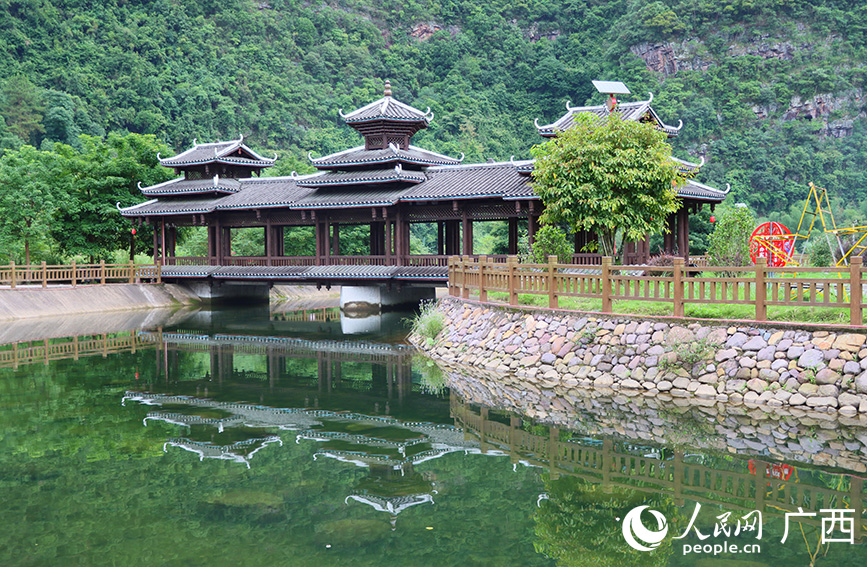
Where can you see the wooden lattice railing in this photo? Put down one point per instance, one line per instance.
(43, 274)
(679, 285)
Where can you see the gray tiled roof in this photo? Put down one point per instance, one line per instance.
(468, 181)
(387, 108)
(180, 186)
(355, 197)
(217, 152)
(508, 181)
(698, 190)
(172, 207)
(628, 110)
(360, 156)
(267, 192)
(363, 177)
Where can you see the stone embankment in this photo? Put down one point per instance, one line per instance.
(22, 303)
(816, 370)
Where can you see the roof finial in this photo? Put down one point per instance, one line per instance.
(387, 87)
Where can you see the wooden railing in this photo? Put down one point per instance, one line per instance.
(77, 274)
(758, 286)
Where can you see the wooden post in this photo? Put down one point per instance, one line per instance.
(856, 291)
(483, 293)
(44, 275)
(159, 273)
(761, 290)
(465, 289)
(678, 286)
(512, 263)
(74, 282)
(102, 272)
(553, 300)
(12, 269)
(131, 272)
(606, 284)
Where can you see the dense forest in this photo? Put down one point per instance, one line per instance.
(770, 92)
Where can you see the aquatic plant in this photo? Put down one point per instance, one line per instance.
(429, 322)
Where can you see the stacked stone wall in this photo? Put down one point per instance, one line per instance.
(818, 370)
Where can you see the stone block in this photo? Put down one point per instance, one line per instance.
(851, 342)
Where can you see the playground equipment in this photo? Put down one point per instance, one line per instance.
(773, 241)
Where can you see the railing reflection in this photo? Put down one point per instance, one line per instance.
(698, 478)
(73, 348)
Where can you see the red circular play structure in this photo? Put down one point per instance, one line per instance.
(773, 241)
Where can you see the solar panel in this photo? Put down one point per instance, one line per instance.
(611, 87)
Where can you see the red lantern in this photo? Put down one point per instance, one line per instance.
(712, 219)
(133, 231)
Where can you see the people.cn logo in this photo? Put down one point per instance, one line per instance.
(639, 537)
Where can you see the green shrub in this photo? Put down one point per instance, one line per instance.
(729, 244)
(550, 240)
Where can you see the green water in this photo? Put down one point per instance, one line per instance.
(239, 438)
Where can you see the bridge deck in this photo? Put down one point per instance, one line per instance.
(346, 275)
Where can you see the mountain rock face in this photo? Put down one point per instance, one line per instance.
(669, 58)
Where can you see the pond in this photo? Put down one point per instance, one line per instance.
(297, 436)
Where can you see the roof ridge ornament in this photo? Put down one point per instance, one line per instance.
(387, 90)
(340, 112)
(217, 180)
(701, 163)
(462, 157)
(398, 168)
(536, 123)
(393, 148)
(294, 174)
(195, 141)
(138, 184)
(158, 156)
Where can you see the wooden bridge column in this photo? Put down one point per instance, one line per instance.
(171, 241)
(389, 240)
(683, 234)
(335, 239)
(468, 234)
(513, 236)
(532, 226)
(156, 247)
(669, 238)
(440, 240)
(453, 238)
(212, 244)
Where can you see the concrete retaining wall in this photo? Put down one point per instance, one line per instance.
(51, 302)
(819, 370)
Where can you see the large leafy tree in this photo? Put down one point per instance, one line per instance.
(28, 198)
(607, 176)
(104, 173)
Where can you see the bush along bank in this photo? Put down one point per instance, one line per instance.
(817, 370)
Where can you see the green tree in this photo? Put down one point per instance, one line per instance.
(729, 245)
(607, 176)
(104, 173)
(28, 196)
(22, 109)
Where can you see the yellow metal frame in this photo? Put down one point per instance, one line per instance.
(819, 197)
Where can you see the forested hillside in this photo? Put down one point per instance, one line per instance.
(771, 93)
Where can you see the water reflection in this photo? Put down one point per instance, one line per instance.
(254, 435)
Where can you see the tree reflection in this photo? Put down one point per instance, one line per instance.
(579, 524)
